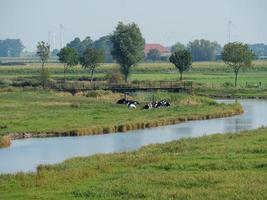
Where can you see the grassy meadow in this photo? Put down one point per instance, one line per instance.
(96, 112)
(222, 166)
(215, 73)
(208, 78)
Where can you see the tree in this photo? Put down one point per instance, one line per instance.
(75, 44)
(91, 59)
(153, 55)
(43, 51)
(128, 47)
(80, 46)
(104, 44)
(182, 60)
(237, 55)
(44, 77)
(10, 47)
(178, 46)
(260, 50)
(203, 50)
(85, 44)
(55, 52)
(69, 57)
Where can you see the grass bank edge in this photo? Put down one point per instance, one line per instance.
(227, 111)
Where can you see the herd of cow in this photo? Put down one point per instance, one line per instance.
(154, 104)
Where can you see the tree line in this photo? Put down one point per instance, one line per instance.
(236, 55)
(11, 47)
(260, 50)
(201, 50)
(127, 49)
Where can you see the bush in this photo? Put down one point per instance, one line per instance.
(5, 141)
(44, 77)
(75, 105)
(26, 83)
(228, 84)
(114, 77)
(98, 93)
(5, 83)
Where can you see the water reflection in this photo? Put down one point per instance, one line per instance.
(237, 124)
(25, 155)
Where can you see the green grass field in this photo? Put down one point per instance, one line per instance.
(227, 166)
(215, 73)
(47, 111)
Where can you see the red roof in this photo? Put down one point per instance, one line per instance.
(159, 47)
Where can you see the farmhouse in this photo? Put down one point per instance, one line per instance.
(164, 52)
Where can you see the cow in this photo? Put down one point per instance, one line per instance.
(131, 106)
(157, 104)
(126, 101)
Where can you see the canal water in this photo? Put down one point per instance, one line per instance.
(25, 155)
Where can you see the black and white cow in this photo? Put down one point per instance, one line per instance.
(157, 104)
(126, 101)
(131, 106)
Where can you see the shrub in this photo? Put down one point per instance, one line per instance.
(4, 141)
(228, 84)
(75, 105)
(44, 77)
(25, 83)
(98, 93)
(114, 77)
(5, 83)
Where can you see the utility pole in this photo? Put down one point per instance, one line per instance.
(49, 38)
(229, 30)
(61, 27)
(54, 40)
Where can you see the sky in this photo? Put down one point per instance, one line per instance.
(161, 21)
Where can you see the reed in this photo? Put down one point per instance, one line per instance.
(5, 141)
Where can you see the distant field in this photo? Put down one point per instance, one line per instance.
(26, 59)
(212, 73)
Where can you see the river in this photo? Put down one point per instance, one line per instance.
(25, 155)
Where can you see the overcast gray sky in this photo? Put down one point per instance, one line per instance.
(161, 21)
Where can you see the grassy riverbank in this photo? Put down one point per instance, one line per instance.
(47, 113)
(227, 166)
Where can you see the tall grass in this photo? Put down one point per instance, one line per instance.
(5, 141)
